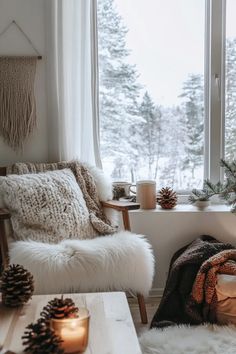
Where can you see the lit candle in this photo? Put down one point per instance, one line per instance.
(73, 331)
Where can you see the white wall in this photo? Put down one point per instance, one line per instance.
(29, 14)
(170, 230)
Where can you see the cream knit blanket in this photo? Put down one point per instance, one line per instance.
(87, 185)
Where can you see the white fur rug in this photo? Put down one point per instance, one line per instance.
(205, 339)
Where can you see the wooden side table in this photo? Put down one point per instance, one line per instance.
(111, 327)
(124, 207)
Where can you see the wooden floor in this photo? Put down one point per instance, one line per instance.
(152, 304)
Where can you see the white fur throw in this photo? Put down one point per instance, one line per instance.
(102, 181)
(123, 261)
(46, 207)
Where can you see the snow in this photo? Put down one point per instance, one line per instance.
(145, 139)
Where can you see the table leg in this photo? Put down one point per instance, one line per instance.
(126, 222)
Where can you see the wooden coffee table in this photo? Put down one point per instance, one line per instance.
(111, 327)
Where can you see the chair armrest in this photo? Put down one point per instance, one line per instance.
(4, 214)
(124, 207)
(120, 206)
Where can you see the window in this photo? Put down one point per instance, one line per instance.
(163, 97)
(230, 81)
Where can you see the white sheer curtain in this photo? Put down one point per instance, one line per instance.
(72, 80)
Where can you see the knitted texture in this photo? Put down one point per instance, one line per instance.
(203, 293)
(87, 185)
(47, 207)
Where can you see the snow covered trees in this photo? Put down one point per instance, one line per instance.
(151, 129)
(141, 138)
(119, 89)
(193, 122)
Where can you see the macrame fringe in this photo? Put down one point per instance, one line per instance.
(17, 101)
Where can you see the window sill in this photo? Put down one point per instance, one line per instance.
(187, 208)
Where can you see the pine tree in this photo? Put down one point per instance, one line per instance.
(230, 100)
(150, 134)
(173, 137)
(119, 89)
(193, 121)
(142, 138)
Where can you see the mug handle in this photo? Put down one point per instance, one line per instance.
(132, 185)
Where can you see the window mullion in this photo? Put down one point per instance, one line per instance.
(223, 64)
(216, 77)
(207, 89)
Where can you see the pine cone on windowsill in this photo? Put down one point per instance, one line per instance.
(167, 198)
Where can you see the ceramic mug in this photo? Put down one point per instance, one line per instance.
(146, 194)
(125, 185)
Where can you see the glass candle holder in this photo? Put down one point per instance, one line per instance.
(73, 331)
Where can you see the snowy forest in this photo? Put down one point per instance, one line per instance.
(142, 139)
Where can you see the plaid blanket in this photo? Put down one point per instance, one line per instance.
(178, 304)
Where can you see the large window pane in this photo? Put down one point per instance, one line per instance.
(230, 81)
(151, 61)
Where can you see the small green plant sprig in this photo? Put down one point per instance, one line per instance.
(199, 195)
(225, 190)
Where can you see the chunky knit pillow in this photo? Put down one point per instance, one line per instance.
(47, 207)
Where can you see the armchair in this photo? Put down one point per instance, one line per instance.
(123, 261)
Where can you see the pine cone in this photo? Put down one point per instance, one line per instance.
(60, 308)
(17, 286)
(39, 338)
(167, 198)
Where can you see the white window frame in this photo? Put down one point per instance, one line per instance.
(214, 78)
(214, 92)
(214, 88)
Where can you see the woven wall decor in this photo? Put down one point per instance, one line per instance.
(17, 100)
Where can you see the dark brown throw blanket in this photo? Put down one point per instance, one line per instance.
(183, 270)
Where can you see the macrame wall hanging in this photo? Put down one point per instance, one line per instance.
(17, 100)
